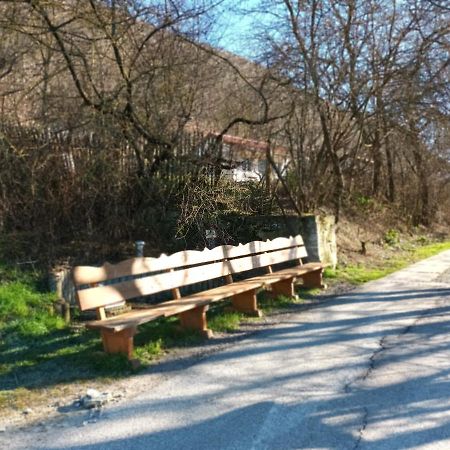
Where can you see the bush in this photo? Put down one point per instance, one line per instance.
(392, 237)
(363, 201)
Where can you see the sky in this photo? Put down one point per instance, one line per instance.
(235, 26)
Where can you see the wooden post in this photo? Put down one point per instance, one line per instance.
(284, 287)
(313, 279)
(195, 319)
(100, 313)
(229, 277)
(246, 303)
(119, 342)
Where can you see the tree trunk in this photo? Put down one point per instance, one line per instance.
(424, 213)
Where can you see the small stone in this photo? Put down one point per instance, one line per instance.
(2, 429)
(27, 411)
(93, 393)
(95, 399)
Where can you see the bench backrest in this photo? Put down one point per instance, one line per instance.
(96, 287)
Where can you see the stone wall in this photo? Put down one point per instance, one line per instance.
(318, 232)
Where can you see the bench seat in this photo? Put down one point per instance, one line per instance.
(141, 314)
(310, 273)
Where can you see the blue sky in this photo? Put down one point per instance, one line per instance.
(235, 27)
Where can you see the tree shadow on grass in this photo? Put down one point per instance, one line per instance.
(66, 355)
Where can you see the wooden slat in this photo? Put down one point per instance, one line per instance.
(136, 266)
(221, 292)
(300, 270)
(107, 295)
(271, 278)
(128, 319)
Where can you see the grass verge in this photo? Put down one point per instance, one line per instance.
(358, 274)
(222, 320)
(40, 353)
(269, 304)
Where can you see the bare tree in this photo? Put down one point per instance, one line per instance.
(361, 66)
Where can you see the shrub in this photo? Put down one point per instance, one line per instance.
(391, 237)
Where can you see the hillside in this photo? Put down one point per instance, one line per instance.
(105, 108)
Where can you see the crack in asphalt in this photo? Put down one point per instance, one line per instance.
(348, 387)
(382, 346)
(363, 427)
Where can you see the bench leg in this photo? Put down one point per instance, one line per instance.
(246, 303)
(119, 342)
(284, 287)
(195, 319)
(313, 279)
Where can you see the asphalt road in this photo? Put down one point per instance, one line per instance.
(365, 370)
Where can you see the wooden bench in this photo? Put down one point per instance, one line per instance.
(106, 287)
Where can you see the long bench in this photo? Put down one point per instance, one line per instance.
(112, 287)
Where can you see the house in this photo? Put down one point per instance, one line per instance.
(247, 159)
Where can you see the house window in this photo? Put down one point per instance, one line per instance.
(246, 165)
(226, 151)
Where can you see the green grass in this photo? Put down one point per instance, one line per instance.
(430, 250)
(37, 347)
(309, 292)
(225, 321)
(31, 335)
(268, 303)
(157, 337)
(358, 274)
(26, 312)
(25, 307)
(50, 360)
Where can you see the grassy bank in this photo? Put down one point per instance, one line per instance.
(373, 270)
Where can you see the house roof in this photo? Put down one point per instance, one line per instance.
(251, 144)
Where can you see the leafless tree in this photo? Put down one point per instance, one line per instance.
(363, 68)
